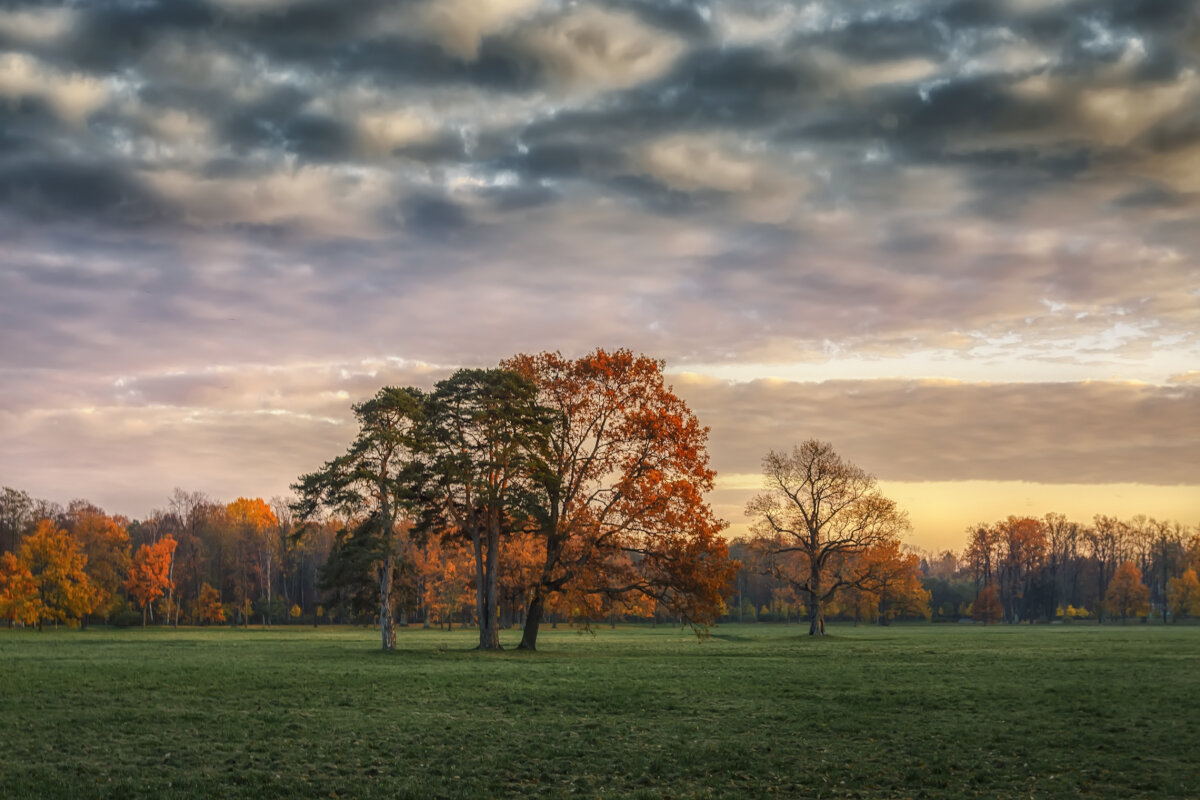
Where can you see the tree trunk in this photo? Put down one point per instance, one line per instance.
(533, 621)
(489, 619)
(480, 583)
(387, 626)
(267, 608)
(171, 591)
(816, 616)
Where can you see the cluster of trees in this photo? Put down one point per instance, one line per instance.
(546, 484)
(1024, 568)
(198, 561)
(1019, 569)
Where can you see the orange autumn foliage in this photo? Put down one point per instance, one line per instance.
(521, 561)
(54, 559)
(1127, 596)
(105, 542)
(252, 524)
(627, 471)
(1183, 595)
(447, 571)
(19, 601)
(149, 574)
(253, 514)
(987, 608)
(889, 584)
(208, 605)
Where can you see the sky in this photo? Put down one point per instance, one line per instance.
(958, 240)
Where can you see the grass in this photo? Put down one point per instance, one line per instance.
(757, 710)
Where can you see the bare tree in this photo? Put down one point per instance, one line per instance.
(1062, 538)
(16, 514)
(1107, 542)
(824, 508)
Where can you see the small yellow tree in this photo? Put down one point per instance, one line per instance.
(1183, 595)
(208, 605)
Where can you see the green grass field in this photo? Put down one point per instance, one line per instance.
(920, 711)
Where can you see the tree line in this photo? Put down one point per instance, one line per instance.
(1015, 570)
(550, 489)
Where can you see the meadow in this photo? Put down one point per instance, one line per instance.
(755, 710)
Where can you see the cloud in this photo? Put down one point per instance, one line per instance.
(158, 430)
(962, 188)
(916, 430)
(459, 26)
(592, 48)
(73, 97)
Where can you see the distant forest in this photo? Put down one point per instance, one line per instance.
(247, 562)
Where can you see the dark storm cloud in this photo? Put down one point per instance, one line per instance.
(429, 215)
(687, 17)
(48, 190)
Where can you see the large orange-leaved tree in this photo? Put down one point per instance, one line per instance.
(624, 473)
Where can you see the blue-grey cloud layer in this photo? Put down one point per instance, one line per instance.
(249, 183)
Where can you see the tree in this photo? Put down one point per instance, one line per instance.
(520, 569)
(208, 605)
(486, 427)
(1127, 595)
(375, 482)
(56, 565)
(150, 573)
(194, 512)
(1183, 595)
(1022, 548)
(1062, 550)
(1166, 552)
(822, 508)
(257, 526)
(19, 600)
(621, 510)
(987, 608)
(893, 579)
(1106, 540)
(16, 514)
(982, 551)
(105, 542)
